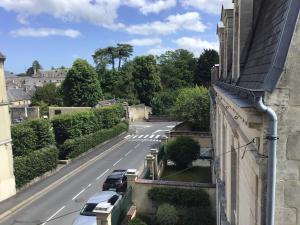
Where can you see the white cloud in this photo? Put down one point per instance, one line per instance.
(188, 21)
(45, 32)
(210, 6)
(159, 50)
(195, 45)
(145, 42)
(147, 6)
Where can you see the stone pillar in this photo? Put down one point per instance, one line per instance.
(103, 213)
(150, 164)
(220, 32)
(154, 153)
(7, 179)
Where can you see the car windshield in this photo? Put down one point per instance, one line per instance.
(112, 181)
(87, 210)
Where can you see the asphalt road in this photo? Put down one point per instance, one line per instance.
(61, 205)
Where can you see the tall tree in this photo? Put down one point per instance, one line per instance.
(49, 93)
(177, 69)
(124, 52)
(36, 66)
(146, 77)
(205, 62)
(81, 86)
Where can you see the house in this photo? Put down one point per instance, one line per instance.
(18, 97)
(7, 179)
(255, 113)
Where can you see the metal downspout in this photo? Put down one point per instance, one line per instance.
(272, 158)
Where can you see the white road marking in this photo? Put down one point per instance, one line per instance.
(146, 136)
(128, 153)
(51, 217)
(157, 136)
(128, 136)
(101, 175)
(134, 136)
(170, 126)
(159, 131)
(117, 162)
(138, 144)
(81, 191)
(141, 136)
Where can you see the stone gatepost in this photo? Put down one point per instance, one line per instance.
(154, 153)
(131, 177)
(103, 213)
(150, 164)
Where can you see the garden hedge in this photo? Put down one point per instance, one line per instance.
(31, 135)
(176, 196)
(38, 162)
(75, 147)
(74, 125)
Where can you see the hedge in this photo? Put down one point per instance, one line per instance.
(31, 135)
(75, 147)
(176, 196)
(70, 126)
(38, 162)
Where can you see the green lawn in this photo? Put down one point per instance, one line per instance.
(194, 174)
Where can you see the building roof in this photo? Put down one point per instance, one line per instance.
(55, 73)
(17, 94)
(269, 44)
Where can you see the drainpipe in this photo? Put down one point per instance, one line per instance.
(271, 180)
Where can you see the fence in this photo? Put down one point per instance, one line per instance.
(120, 210)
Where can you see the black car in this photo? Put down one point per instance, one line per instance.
(116, 181)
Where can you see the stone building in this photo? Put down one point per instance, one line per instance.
(7, 180)
(254, 88)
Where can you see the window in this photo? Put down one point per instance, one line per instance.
(88, 209)
(57, 112)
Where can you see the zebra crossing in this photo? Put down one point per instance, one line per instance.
(144, 137)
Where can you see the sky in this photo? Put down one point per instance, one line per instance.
(56, 32)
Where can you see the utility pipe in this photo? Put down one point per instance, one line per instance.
(272, 158)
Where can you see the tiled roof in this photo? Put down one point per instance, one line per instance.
(269, 44)
(17, 94)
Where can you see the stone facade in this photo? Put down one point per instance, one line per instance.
(240, 130)
(7, 179)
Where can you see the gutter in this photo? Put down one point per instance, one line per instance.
(272, 159)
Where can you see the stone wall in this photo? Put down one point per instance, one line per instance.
(203, 138)
(138, 112)
(20, 113)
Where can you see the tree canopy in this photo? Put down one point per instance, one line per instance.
(81, 86)
(49, 94)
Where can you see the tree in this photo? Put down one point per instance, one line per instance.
(192, 104)
(167, 215)
(124, 52)
(81, 86)
(49, 94)
(36, 66)
(205, 62)
(136, 221)
(146, 77)
(163, 101)
(182, 151)
(177, 69)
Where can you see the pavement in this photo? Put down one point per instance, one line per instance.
(58, 199)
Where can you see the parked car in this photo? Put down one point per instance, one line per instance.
(116, 181)
(87, 216)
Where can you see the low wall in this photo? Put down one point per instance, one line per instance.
(19, 112)
(203, 138)
(145, 205)
(54, 111)
(138, 112)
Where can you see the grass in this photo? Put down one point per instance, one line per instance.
(194, 174)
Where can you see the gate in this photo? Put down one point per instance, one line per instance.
(120, 210)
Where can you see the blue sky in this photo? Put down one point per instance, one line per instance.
(56, 32)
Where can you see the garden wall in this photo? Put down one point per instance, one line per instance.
(138, 112)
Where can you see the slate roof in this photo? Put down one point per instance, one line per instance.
(269, 44)
(17, 94)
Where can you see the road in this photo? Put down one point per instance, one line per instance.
(62, 204)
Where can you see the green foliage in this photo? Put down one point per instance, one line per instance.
(31, 135)
(136, 221)
(166, 214)
(23, 140)
(192, 104)
(180, 197)
(34, 164)
(43, 108)
(163, 101)
(182, 151)
(197, 216)
(49, 94)
(75, 147)
(177, 69)
(81, 86)
(34, 68)
(205, 62)
(146, 77)
(74, 125)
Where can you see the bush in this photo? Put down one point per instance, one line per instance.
(23, 140)
(75, 147)
(136, 221)
(182, 197)
(197, 216)
(74, 125)
(182, 151)
(166, 215)
(34, 164)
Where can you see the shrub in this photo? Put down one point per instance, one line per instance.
(74, 125)
(23, 140)
(182, 197)
(166, 215)
(34, 164)
(197, 216)
(182, 151)
(136, 221)
(75, 147)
